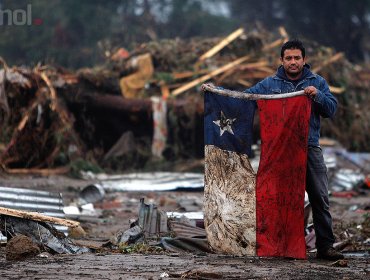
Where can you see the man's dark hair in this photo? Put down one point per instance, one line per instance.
(291, 45)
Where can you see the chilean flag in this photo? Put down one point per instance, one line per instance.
(247, 213)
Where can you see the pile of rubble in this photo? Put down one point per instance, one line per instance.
(147, 102)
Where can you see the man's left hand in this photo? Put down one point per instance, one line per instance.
(311, 91)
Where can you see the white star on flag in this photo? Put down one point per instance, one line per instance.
(225, 124)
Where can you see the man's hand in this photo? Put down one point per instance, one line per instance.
(311, 91)
(204, 86)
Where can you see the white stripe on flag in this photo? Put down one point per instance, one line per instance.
(229, 202)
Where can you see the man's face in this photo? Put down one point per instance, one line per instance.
(293, 63)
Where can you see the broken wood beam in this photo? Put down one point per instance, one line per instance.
(244, 83)
(283, 33)
(35, 216)
(236, 34)
(53, 94)
(210, 75)
(38, 171)
(188, 74)
(223, 68)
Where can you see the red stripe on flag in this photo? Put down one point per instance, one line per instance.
(281, 177)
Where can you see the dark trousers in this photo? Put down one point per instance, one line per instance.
(317, 190)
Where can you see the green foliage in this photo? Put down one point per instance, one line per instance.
(164, 76)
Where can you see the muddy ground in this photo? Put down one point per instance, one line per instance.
(114, 214)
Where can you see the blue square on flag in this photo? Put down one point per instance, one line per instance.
(228, 123)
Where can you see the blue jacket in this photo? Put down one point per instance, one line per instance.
(324, 104)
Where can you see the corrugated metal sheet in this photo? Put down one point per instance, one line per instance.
(151, 181)
(44, 202)
(186, 230)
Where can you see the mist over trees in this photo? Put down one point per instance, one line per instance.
(77, 33)
(343, 25)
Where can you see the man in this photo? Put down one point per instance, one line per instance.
(294, 75)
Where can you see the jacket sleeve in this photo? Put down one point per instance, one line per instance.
(325, 100)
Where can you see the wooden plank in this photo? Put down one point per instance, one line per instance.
(38, 171)
(34, 216)
(210, 75)
(236, 34)
(223, 69)
(188, 74)
(244, 83)
(283, 33)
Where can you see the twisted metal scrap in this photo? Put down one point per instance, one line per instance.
(248, 96)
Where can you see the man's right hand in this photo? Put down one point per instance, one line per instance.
(311, 91)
